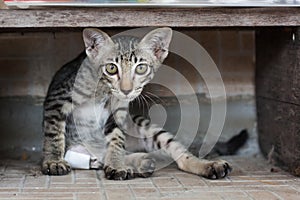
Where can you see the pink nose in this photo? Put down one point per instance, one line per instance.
(126, 91)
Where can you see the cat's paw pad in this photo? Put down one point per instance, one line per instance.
(55, 167)
(118, 174)
(218, 169)
(146, 167)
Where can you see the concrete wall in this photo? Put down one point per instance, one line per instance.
(29, 60)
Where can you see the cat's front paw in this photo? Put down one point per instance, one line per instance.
(118, 174)
(217, 169)
(55, 167)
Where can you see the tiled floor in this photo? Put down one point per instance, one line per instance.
(251, 179)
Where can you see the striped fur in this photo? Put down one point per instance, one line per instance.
(87, 107)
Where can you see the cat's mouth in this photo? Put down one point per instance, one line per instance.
(124, 97)
(129, 98)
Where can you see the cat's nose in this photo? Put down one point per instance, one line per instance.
(126, 91)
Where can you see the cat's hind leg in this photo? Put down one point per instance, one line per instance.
(155, 138)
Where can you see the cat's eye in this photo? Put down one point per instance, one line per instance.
(141, 69)
(111, 69)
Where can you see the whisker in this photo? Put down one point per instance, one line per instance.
(145, 100)
(142, 103)
(154, 95)
(146, 103)
(139, 102)
(153, 101)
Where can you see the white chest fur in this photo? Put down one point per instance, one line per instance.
(92, 114)
(85, 138)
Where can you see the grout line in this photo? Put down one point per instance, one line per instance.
(279, 197)
(181, 184)
(292, 186)
(97, 179)
(4, 168)
(247, 194)
(48, 182)
(100, 184)
(131, 191)
(22, 183)
(75, 196)
(155, 186)
(228, 179)
(206, 181)
(73, 175)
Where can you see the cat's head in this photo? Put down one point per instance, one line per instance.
(127, 64)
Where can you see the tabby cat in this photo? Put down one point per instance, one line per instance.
(86, 109)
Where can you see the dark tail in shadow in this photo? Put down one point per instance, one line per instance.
(231, 146)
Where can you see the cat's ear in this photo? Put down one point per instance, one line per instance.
(157, 41)
(95, 40)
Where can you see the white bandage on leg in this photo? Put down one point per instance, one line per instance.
(78, 160)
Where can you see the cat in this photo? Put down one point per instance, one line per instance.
(86, 110)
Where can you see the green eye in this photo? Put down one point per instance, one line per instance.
(111, 69)
(141, 69)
